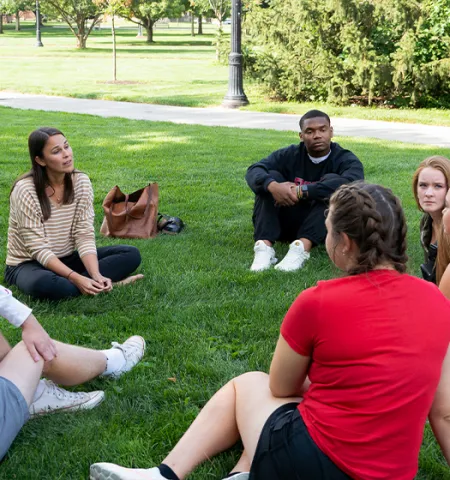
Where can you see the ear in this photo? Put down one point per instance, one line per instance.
(332, 132)
(300, 135)
(39, 161)
(347, 244)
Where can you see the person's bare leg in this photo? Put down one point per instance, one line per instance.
(74, 365)
(243, 464)
(19, 368)
(221, 422)
(254, 404)
(130, 279)
(213, 431)
(307, 244)
(4, 347)
(268, 243)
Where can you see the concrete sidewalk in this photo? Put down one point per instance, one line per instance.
(404, 132)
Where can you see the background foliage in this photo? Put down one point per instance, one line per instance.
(384, 51)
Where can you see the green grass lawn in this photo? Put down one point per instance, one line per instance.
(176, 70)
(205, 316)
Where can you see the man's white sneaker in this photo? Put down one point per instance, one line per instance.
(55, 399)
(133, 350)
(111, 471)
(264, 257)
(238, 476)
(294, 259)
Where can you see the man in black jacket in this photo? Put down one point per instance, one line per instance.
(292, 187)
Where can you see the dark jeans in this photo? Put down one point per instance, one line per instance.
(286, 451)
(37, 281)
(306, 219)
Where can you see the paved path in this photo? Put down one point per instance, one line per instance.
(410, 133)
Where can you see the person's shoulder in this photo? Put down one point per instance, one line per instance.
(426, 291)
(342, 153)
(290, 150)
(80, 177)
(81, 181)
(22, 187)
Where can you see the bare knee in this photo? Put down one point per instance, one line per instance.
(23, 349)
(251, 380)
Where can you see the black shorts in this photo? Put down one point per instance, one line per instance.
(286, 451)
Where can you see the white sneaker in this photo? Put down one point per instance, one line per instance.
(238, 476)
(295, 258)
(264, 257)
(133, 350)
(111, 471)
(54, 399)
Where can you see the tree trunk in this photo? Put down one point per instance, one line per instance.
(17, 21)
(192, 25)
(200, 25)
(81, 35)
(1, 22)
(113, 31)
(149, 29)
(81, 41)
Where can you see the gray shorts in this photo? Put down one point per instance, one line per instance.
(13, 414)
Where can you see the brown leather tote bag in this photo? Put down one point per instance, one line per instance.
(131, 216)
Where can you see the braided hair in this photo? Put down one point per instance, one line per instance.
(372, 216)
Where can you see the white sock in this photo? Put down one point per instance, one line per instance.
(115, 360)
(39, 390)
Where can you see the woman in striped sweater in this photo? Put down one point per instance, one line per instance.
(51, 240)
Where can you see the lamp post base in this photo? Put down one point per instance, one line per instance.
(39, 44)
(235, 101)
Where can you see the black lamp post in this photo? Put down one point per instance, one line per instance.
(235, 96)
(38, 26)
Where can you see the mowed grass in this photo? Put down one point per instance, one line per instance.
(205, 316)
(177, 69)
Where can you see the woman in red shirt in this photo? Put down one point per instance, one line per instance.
(354, 373)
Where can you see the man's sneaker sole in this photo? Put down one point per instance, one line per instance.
(273, 261)
(95, 398)
(110, 471)
(238, 476)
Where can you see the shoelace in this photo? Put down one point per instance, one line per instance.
(126, 349)
(60, 393)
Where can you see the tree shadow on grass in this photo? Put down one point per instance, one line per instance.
(144, 51)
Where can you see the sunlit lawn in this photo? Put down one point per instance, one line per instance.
(205, 316)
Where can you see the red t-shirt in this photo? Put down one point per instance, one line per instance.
(377, 342)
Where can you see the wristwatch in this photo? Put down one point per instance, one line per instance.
(302, 191)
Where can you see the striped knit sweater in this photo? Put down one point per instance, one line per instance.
(69, 228)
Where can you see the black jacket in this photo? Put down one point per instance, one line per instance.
(293, 162)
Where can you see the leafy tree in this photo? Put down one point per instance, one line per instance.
(221, 9)
(148, 12)
(199, 8)
(80, 15)
(22, 6)
(7, 7)
(347, 50)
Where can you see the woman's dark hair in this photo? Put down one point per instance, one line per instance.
(372, 216)
(36, 143)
